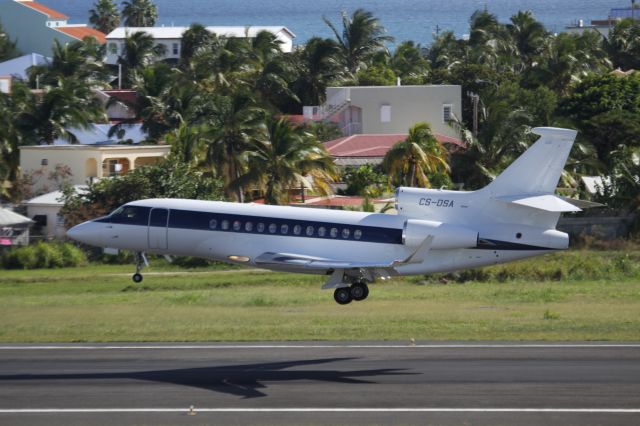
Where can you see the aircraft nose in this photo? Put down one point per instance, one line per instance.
(84, 233)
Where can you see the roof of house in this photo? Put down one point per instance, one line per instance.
(80, 32)
(129, 97)
(98, 134)
(367, 145)
(52, 14)
(53, 198)
(9, 218)
(18, 66)
(176, 32)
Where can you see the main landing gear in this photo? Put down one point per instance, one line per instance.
(357, 291)
(141, 262)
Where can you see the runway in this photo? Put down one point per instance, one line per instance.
(321, 383)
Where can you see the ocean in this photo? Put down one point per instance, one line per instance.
(415, 20)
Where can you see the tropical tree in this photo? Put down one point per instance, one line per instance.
(446, 51)
(139, 51)
(408, 63)
(195, 38)
(528, 37)
(188, 144)
(412, 161)
(284, 157)
(60, 108)
(104, 16)
(81, 60)
(362, 35)
(236, 121)
(8, 48)
(623, 44)
(317, 66)
(139, 13)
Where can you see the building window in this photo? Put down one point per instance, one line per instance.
(385, 113)
(176, 48)
(447, 112)
(113, 48)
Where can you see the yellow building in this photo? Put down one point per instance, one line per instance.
(84, 163)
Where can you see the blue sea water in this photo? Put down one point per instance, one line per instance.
(414, 20)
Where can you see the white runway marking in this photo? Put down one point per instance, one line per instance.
(319, 410)
(320, 346)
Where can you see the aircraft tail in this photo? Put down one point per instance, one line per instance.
(538, 170)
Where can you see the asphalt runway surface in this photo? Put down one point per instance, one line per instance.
(321, 383)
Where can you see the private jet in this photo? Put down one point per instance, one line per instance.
(514, 217)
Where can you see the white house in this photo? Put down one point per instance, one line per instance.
(44, 210)
(386, 110)
(35, 26)
(171, 37)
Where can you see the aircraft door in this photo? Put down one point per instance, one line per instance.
(158, 231)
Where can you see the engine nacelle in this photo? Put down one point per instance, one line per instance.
(446, 236)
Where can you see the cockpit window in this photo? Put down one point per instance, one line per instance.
(131, 215)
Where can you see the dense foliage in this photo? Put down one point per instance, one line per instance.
(220, 105)
(42, 255)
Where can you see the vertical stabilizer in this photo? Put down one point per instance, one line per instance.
(538, 170)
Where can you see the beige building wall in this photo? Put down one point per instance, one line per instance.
(84, 162)
(394, 109)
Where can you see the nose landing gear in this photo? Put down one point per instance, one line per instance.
(141, 262)
(357, 291)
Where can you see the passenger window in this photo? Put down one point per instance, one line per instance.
(297, 229)
(322, 231)
(248, 226)
(334, 232)
(345, 233)
(237, 225)
(309, 231)
(273, 228)
(224, 225)
(260, 227)
(284, 229)
(213, 224)
(357, 234)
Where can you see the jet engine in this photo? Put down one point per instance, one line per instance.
(446, 236)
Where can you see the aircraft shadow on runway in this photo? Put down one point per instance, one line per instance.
(246, 380)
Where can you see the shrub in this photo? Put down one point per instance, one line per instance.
(43, 255)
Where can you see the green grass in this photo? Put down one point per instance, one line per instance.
(577, 295)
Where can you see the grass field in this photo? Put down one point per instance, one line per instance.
(578, 295)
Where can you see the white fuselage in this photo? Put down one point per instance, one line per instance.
(240, 233)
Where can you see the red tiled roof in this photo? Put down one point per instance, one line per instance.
(81, 32)
(374, 145)
(52, 14)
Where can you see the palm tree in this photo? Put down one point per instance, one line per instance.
(188, 144)
(528, 36)
(82, 60)
(104, 16)
(68, 104)
(196, 37)
(139, 13)
(8, 48)
(623, 44)
(285, 157)
(362, 35)
(236, 122)
(409, 64)
(317, 68)
(139, 51)
(411, 161)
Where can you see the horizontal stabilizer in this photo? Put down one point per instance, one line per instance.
(583, 204)
(548, 203)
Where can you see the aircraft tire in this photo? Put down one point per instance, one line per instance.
(137, 278)
(342, 295)
(359, 291)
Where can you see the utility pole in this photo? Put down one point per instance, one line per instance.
(475, 99)
(633, 9)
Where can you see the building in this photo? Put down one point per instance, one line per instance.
(18, 67)
(14, 228)
(44, 210)
(358, 150)
(98, 134)
(35, 26)
(83, 163)
(388, 110)
(171, 38)
(604, 26)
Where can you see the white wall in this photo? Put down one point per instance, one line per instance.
(406, 105)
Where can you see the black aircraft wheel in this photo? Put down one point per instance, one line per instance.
(359, 291)
(342, 295)
(137, 278)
